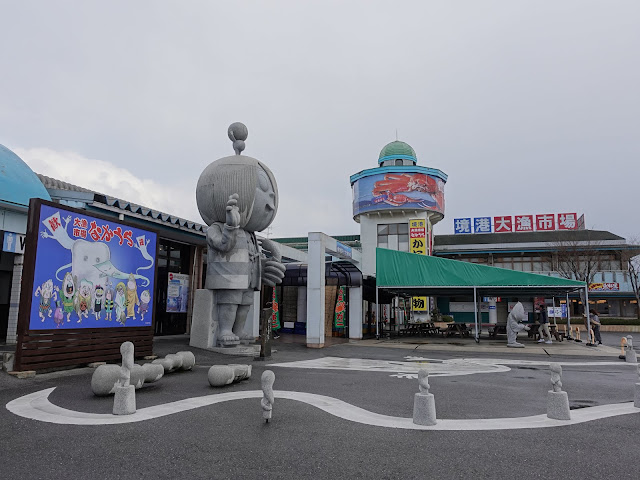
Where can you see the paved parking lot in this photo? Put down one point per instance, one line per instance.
(231, 440)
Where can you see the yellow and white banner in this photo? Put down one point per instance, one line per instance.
(418, 236)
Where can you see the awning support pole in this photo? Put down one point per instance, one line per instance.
(377, 315)
(475, 312)
(586, 310)
(568, 318)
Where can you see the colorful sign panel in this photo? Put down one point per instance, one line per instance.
(482, 225)
(13, 242)
(418, 236)
(341, 307)
(502, 224)
(343, 250)
(396, 191)
(91, 273)
(604, 287)
(419, 304)
(275, 310)
(177, 292)
(462, 225)
(520, 223)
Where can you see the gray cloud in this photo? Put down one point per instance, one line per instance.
(529, 107)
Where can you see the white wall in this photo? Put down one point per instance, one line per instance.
(369, 233)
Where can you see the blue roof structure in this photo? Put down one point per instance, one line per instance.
(18, 183)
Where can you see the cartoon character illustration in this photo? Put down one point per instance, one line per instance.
(83, 299)
(92, 260)
(399, 189)
(145, 298)
(120, 303)
(98, 300)
(68, 294)
(237, 196)
(58, 316)
(46, 293)
(132, 297)
(108, 301)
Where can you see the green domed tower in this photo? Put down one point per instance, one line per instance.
(397, 153)
(397, 203)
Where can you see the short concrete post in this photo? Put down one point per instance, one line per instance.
(124, 401)
(630, 355)
(424, 404)
(267, 379)
(557, 400)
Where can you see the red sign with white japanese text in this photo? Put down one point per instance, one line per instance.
(502, 224)
(545, 222)
(524, 223)
(567, 221)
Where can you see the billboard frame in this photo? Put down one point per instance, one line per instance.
(54, 348)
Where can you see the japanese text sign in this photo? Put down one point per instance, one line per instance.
(418, 236)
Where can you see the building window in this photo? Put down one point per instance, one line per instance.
(394, 236)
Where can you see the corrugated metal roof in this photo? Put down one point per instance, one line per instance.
(120, 204)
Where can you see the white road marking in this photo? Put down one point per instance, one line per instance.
(37, 406)
(436, 367)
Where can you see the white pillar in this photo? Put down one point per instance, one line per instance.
(355, 313)
(14, 300)
(315, 290)
(493, 312)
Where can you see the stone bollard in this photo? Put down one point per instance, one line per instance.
(424, 403)
(557, 400)
(267, 379)
(630, 355)
(124, 401)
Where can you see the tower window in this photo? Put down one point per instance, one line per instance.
(398, 161)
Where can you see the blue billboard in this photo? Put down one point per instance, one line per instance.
(91, 273)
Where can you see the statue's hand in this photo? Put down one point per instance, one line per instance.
(233, 213)
(272, 272)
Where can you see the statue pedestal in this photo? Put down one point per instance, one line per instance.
(424, 409)
(203, 324)
(124, 401)
(558, 405)
(636, 398)
(630, 356)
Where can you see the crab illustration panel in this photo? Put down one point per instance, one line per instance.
(396, 191)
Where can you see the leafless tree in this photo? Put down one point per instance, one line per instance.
(577, 259)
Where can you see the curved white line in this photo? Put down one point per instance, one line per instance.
(36, 406)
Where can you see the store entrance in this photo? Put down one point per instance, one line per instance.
(172, 284)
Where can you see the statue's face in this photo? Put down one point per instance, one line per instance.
(264, 204)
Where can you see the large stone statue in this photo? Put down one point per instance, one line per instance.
(236, 196)
(514, 326)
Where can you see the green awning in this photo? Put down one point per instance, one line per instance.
(412, 271)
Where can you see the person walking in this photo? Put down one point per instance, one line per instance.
(543, 329)
(595, 326)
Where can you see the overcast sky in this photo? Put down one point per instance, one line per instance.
(528, 106)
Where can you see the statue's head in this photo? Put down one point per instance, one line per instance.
(250, 179)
